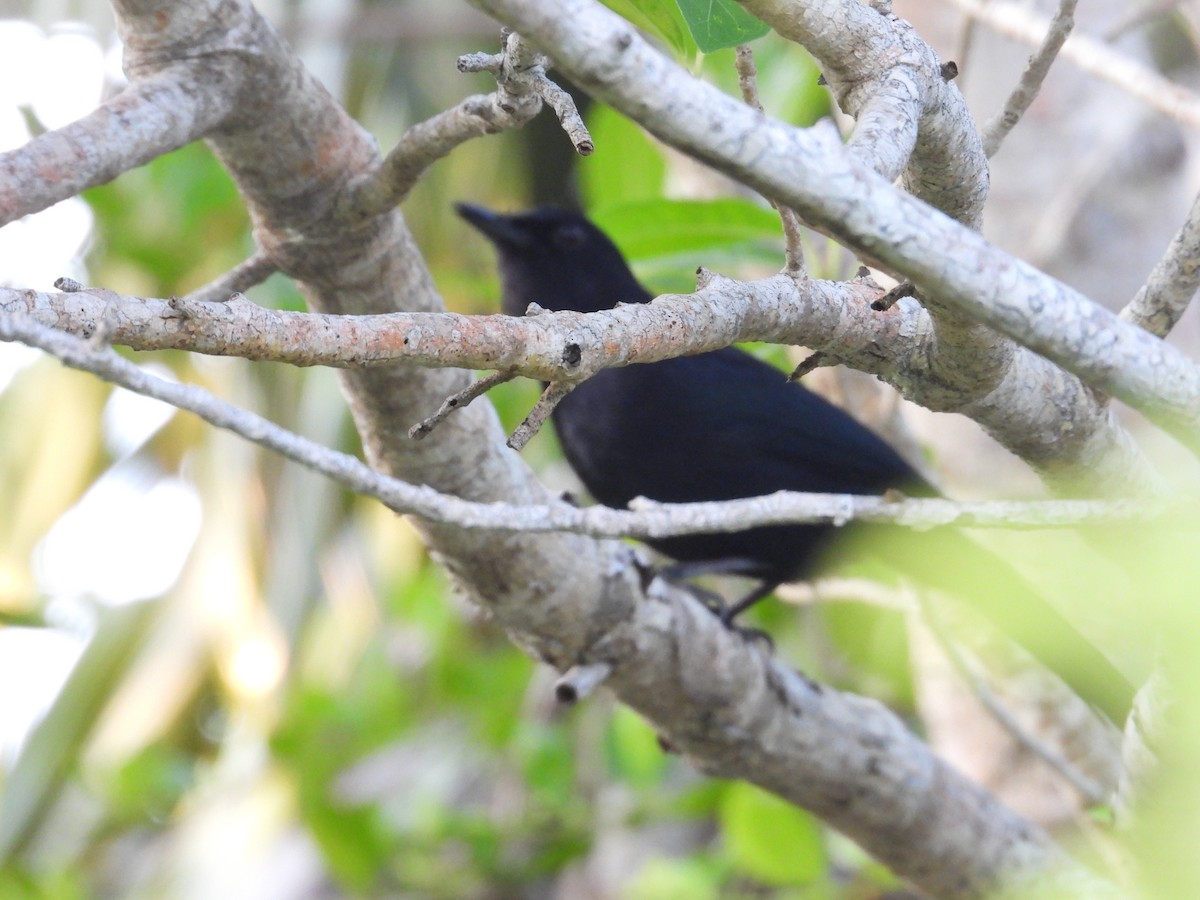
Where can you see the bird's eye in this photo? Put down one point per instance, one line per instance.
(569, 236)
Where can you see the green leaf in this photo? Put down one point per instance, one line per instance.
(665, 240)
(659, 18)
(655, 228)
(716, 24)
(630, 167)
(771, 840)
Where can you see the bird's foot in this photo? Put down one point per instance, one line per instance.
(719, 607)
(745, 632)
(714, 602)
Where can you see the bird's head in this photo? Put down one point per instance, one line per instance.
(555, 258)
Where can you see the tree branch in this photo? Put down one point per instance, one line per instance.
(1094, 57)
(250, 272)
(524, 87)
(834, 318)
(647, 519)
(789, 220)
(146, 120)
(1165, 296)
(997, 128)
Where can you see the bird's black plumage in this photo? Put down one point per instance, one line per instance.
(723, 425)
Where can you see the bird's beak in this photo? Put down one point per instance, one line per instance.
(499, 228)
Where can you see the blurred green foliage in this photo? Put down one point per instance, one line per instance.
(169, 226)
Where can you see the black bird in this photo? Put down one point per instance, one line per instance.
(723, 425)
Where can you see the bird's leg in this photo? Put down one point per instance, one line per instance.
(760, 591)
(677, 573)
(731, 565)
(729, 613)
(681, 573)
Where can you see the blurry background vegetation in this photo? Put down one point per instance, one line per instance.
(222, 676)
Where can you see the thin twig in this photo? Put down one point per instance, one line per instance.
(520, 70)
(1091, 790)
(651, 520)
(477, 388)
(1096, 58)
(793, 230)
(252, 271)
(1173, 283)
(966, 42)
(579, 682)
(1036, 70)
(568, 115)
(894, 296)
(814, 361)
(537, 417)
(522, 88)
(1138, 17)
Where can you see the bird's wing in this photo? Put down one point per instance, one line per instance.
(717, 426)
(798, 440)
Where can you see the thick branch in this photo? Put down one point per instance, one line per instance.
(1024, 410)
(149, 118)
(897, 92)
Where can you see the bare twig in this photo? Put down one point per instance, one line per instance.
(521, 70)
(1096, 58)
(568, 115)
(651, 520)
(966, 42)
(477, 388)
(1135, 18)
(1172, 284)
(520, 73)
(252, 271)
(537, 417)
(894, 296)
(1088, 787)
(579, 682)
(793, 231)
(426, 142)
(811, 363)
(1038, 67)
